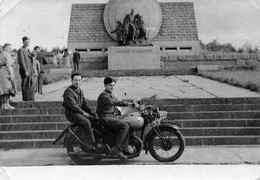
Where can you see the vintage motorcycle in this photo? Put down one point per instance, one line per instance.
(150, 130)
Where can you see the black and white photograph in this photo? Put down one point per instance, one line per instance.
(129, 89)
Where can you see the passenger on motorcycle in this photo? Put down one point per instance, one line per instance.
(108, 116)
(77, 110)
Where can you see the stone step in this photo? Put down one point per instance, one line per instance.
(190, 141)
(215, 115)
(36, 104)
(28, 144)
(171, 115)
(169, 108)
(213, 121)
(221, 131)
(183, 123)
(32, 118)
(221, 140)
(36, 134)
(156, 102)
(200, 101)
(212, 131)
(218, 122)
(210, 107)
(33, 126)
(32, 111)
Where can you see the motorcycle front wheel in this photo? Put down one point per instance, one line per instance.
(80, 155)
(166, 144)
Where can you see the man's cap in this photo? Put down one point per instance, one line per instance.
(109, 80)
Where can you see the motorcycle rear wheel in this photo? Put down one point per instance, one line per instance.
(80, 156)
(167, 146)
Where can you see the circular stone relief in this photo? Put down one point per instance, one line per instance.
(149, 10)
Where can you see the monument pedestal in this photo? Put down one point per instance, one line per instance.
(133, 57)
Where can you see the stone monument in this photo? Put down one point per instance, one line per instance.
(97, 29)
(130, 22)
(133, 24)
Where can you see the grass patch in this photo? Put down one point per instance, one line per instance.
(55, 77)
(248, 79)
(153, 72)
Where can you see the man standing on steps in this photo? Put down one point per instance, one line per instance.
(40, 57)
(76, 59)
(26, 70)
(77, 110)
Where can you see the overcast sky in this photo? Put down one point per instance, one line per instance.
(46, 22)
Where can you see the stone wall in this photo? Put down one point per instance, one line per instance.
(99, 60)
(178, 28)
(86, 24)
(178, 22)
(210, 56)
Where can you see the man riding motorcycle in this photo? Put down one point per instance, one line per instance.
(158, 135)
(109, 117)
(77, 110)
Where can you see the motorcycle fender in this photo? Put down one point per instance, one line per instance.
(63, 133)
(173, 126)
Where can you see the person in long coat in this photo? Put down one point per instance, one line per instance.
(67, 58)
(26, 71)
(7, 80)
(59, 59)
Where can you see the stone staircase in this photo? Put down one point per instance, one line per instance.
(203, 122)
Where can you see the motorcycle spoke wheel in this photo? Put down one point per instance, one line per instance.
(80, 155)
(167, 146)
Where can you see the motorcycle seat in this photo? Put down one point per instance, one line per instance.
(101, 127)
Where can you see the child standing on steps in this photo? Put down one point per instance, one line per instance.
(36, 70)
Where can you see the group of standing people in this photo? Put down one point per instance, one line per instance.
(31, 72)
(61, 59)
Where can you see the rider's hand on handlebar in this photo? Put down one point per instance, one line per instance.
(134, 105)
(130, 104)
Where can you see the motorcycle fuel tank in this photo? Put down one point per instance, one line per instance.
(135, 120)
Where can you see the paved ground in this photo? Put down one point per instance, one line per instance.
(148, 86)
(52, 164)
(191, 156)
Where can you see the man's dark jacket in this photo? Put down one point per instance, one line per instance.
(25, 62)
(76, 56)
(40, 57)
(74, 102)
(106, 103)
